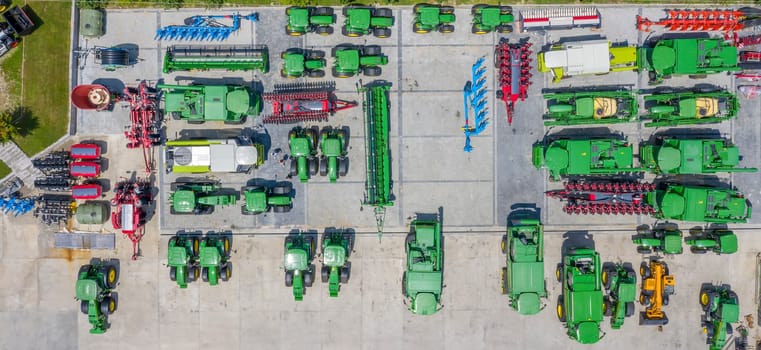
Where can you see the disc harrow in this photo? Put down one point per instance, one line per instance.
(128, 215)
(144, 130)
(604, 198)
(514, 64)
(311, 102)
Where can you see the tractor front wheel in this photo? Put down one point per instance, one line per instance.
(418, 29)
(372, 71)
(226, 272)
(84, 306)
(323, 167)
(343, 166)
(324, 30)
(173, 274)
(313, 166)
(446, 28)
(382, 33)
(346, 273)
(629, 309)
(476, 29)
(558, 272)
(560, 309)
(324, 273)
(371, 50)
(205, 274)
(317, 73)
(309, 276)
(289, 278)
(294, 167)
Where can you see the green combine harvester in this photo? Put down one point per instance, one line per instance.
(699, 204)
(719, 241)
(433, 17)
(364, 20)
(195, 156)
(696, 57)
(721, 308)
(351, 60)
(584, 157)
(591, 107)
(423, 279)
(197, 197)
(523, 278)
(182, 259)
(299, 62)
(221, 57)
(302, 20)
(214, 259)
(691, 156)
(303, 145)
(666, 239)
(201, 103)
(336, 269)
(299, 271)
(377, 152)
(666, 108)
(260, 199)
(581, 305)
(95, 283)
(490, 18)
(621, 286)
(334, 161)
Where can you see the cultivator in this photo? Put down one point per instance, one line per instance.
(514, 64)
(54, 209)
(304, 102)
(223, 57)
(605, 198)
(474, 97)
(204, 28)
(53, 164)
(704, 20)
(145, 121)
(560, 18)
(129, 215)
(16, 205)
(378, 181)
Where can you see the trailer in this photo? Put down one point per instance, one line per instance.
(219, 57)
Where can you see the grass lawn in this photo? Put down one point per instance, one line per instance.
(4, 170)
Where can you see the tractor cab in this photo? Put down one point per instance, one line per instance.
(334, 255)
(87, 290)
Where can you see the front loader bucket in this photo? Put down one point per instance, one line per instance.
(644, 321)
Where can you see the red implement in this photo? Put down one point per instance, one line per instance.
(604, 198)
(513, 61)
(129, 216)
(696, 20)
(145, 122)
(294, 103)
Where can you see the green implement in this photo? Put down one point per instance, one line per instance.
(182, 259)
(433, 17)
(691, 156)
(197, 197)
(302, 20)
(666, 239)
(299, 270)
(621, 286)
(377, 152)
(590, 107)
(260, 199)
(523, 278)
(422, 281)
(695, 57)
(687, 108)
(200, 103)
(490, 18)
(699, 204)
(303, 145)
(333, 162)
(93, 289)
(364, 20)
(351, 60)
(721, 307)
(299, 62)
(222, 57)
(584, 157)
(214, 259)
(581, 305)
(195, 156)
(719, 241)
(337, 245)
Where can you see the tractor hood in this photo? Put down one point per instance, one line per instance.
(728, 243)
(86, 290)
(529, 304)
(424, 304)
(184, 201)
(334, 255)
(588, 332)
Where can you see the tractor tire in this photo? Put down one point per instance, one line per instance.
(505, 10)
(323, 166)
(629, 309)
(316, 54)
(324, 274)
(475, 29)
(110, 277)
(404, 284)
(503, 280)
(560, 309)
(84, 269)
(446, 10)
(476, 9)
(226, 246)
(644, 300)
(317, 73)
(173, 273)
(293, 32)
(383, 12)
(84, 307)
(193, 274)
(665, 299)
(294, 168)
(607, 307)
(289, 278)
(341, 74)
(416, 28)
(504, 29)
(372, 71)
(343, 166)
(382, 32)
(416, 8)
(644, 250)
(196, 246)
(644, 270)
(371, 50)
(281, 209)
(108, 306)
(559, 272)
(696, 250)
(345, 273)
(226, 272)
(694, 76)
(309, 276)
(446, 28)
(282, 190)
(324, 30)
(407, 241)
(205, 274)
(283, 73)
(353, 33)
(611, 275)
(313, 164)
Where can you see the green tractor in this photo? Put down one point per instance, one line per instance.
(336, 269)
(523, 278)
(333, 162)
(620, 284)
(566, 157)
(590, 107)
(666, 239)
(351, 60)
(214, 259)
(197, 197)
(431, 17)
(699, 204)
(303, 145)
(95, 283)
(490, 18)
(299, 62)
(719, 241)
(695, 57)
(299, 270)
(422, 281)
(182, 259)
(691, 156)
(260, 199)
(667, 108)
(363, 20)
(201, 103)
(721, 307)
(581, 305)
(302, 20)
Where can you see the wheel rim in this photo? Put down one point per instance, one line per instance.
(605, 277)
(604, 307)
(557, 274)
(227, 245)
(111, 305)
(642, 270)
(502, 245)
(195, 246)
(111, 275)
(704, 299)
(559, 310)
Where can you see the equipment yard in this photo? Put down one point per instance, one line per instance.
(305, 169)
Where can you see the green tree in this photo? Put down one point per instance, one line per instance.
(9, 127)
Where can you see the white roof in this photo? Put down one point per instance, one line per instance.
(223, 158)
(582, 57)
(127, 223)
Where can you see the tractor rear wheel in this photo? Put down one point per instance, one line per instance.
(205, 274)
(503, 280)
(288, 278)
(446, 28)
(173, 273)
(343, 166)
(341, 74)
(503, 244)
(560, 309)
(382, 32)
(292, 32)
(346, 273)
(110, 277)
(629, 309)
(324, 272)
(323, 166)
(84, 307)
(309, 276)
